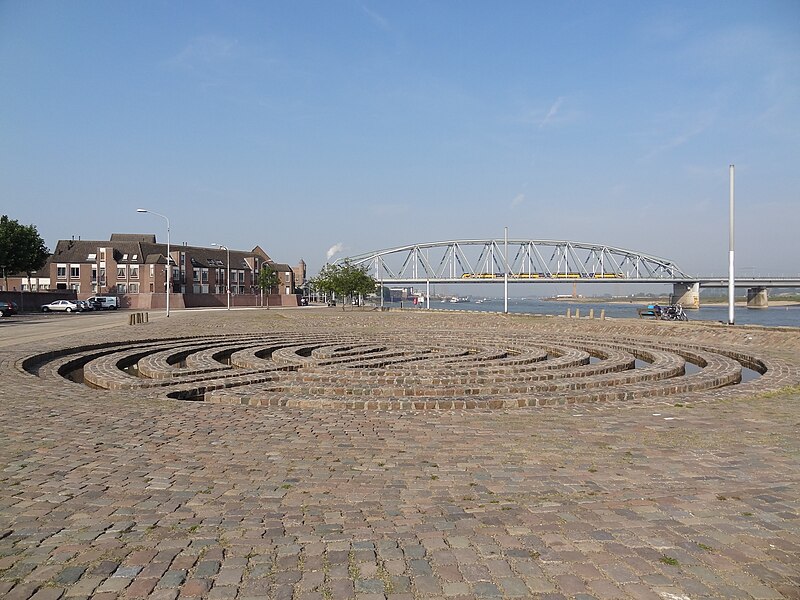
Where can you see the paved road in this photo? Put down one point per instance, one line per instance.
(110, 495)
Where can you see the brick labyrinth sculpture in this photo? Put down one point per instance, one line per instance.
(423, 369)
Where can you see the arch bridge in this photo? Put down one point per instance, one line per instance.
(544, 261)
(480, 261)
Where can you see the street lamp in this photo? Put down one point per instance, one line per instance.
(169, 265)
(228, 276)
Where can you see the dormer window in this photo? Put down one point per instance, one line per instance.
(92, 257)
(124, 257)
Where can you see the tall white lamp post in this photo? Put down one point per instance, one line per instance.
(228, 276)
(731, 286)
(505, 275)
(169, 264)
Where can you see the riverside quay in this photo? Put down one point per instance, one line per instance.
(320, 453)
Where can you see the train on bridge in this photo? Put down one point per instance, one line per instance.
(543, 276)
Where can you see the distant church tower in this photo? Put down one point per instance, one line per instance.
(300, 274)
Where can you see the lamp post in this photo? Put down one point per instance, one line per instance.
(228, 276)
(169, 265)
(731, 286)
(505, 275)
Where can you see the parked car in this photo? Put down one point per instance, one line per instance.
(8, 308)
(104, 302)
(303, 301)
(61, 305)
(84, 306)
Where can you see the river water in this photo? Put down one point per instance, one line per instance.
(773, 316)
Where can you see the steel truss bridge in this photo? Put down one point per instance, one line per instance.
(534, 261)
(529, 261)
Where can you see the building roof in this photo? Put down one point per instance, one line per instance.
(135, 248)
(134, 237)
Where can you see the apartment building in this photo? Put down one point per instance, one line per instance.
(134, 268)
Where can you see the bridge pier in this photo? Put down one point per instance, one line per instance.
(757, 297)
(687, 294)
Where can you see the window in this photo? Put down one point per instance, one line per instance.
(134, 272)
(134, 257)
(92, 257)
(124, 257)
(152, 270)
(196, 288)
(75, 271)
(122, 288)
(61, 271)
(133, 288)
(76, 287)
(196, 276)
(94, 274)
(204, 276)
(121, 271)
(102, 253)
(102, 275)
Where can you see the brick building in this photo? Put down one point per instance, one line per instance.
(134, 268)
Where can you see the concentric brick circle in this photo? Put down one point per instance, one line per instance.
(420, 369)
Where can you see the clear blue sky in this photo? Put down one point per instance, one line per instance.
(301, 125)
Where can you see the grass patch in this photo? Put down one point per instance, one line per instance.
(668, 560)
(705, 547)
(352, 567)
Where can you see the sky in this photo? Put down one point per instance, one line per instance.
(358, 125)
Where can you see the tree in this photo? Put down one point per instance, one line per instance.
(22, 250)
(344, 280)
(267, 279)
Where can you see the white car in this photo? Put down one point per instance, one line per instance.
(61, 305)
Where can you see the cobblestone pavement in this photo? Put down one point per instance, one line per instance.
(129, 494)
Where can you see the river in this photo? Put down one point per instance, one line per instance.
(785, 316)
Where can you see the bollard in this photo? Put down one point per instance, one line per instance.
(569, 313)
(591, 313)
(138, 317)
(603, 314)
(577, 313)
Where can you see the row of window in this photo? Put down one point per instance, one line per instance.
(201, 275)
(123, 272)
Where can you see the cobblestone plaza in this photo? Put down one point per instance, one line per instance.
(397, 455)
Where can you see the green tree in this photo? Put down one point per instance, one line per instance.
(267, 279)
(22, 250)
(344, 280)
